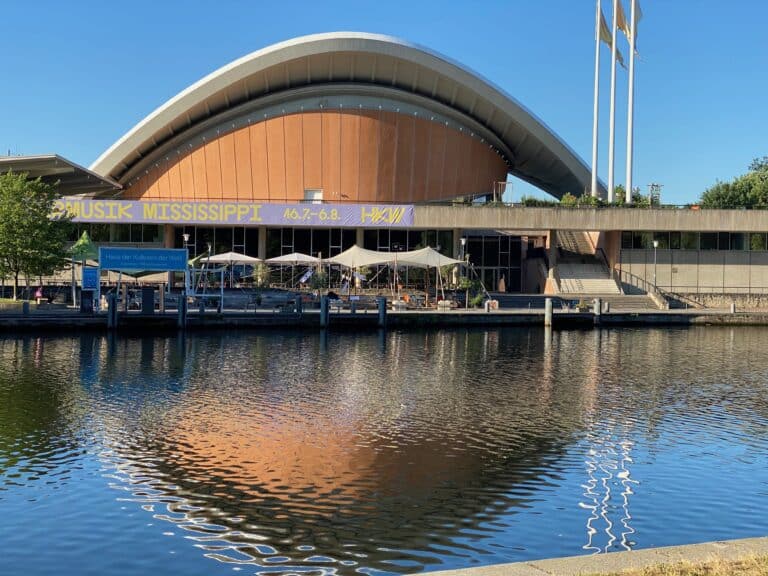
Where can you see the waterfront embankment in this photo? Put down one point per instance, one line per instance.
(617, 562)
(70, 320)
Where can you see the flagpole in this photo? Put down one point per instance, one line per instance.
(595, 107)
(631, 100)
(611, 132)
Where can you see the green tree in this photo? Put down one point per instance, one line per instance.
(31, 243)
(749, 190)
(568, 200)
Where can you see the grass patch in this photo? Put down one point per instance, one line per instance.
(746, 567)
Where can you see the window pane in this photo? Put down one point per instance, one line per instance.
(708, 240)
(662, 238)
(100, 232)
(738, 241)
(135, 233)
(626, 240)
(122, 233)
(690, 240)
(757, 241)
(152, 233)
(724, 240)
(252, 241)
(674, 240)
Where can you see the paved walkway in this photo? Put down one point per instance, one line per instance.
(618, 561)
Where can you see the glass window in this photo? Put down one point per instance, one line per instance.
(238, 236)
(757, 241)
(642, 240)
(491, 251)
(674, 240)
(348, 238)
(252, 241)
(708, 240)
(321, 242)
(122, 233)
(662, 238)
(445, 241)
(689, 240)
(302, 242)
(475, 250)
(135, 233)
(626, 240)
(152, 233)
(223, 240)
(738, 241)
(99, 232)
(370, 239)
(724, 241)
(274, 242)
(203, 237)
(515, 253)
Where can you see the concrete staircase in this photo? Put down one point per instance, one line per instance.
(587, 278)
(574, 245)
(580, 272)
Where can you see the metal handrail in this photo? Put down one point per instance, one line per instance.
(655, 293)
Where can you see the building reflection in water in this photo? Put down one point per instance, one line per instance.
(396, 451)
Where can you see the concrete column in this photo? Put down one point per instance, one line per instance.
(262, 253)
(381, 302)
(324, 312)
(168, 242)
(457, 233)
(168, 235)
(360, 236)
(552, 249)
(548, 312)
(182, 311)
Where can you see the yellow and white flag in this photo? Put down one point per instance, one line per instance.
(624, 26)
(607, 37)
(621, 20)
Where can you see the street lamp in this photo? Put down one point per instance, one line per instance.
(655, 246)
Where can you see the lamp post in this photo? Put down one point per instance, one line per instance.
(464, 272)
(396, 249)
(655, 246)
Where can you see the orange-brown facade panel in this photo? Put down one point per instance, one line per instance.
(351, 155)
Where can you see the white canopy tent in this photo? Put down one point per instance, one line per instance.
(356, 257)
(230, 258)
(426, 257)
(295, 258)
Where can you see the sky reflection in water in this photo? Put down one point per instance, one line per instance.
(399, 452)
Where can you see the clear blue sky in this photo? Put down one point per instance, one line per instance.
(77, 75)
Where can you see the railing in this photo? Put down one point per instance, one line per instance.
(651, 289)
(612, 272)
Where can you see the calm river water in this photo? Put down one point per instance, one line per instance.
(295, 453)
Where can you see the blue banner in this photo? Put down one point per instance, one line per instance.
(160, 259)
(90, 278)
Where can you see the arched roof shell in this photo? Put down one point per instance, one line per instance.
(323, 61)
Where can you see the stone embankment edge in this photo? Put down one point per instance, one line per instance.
(726, 550)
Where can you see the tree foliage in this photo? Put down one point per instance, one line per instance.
(31, 243)
(749, 190)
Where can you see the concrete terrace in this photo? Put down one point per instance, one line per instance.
(509, 217)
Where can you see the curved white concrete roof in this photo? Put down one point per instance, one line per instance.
(533, 151)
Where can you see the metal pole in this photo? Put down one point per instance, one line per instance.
(595, 108)
(631, 101)
(655, 245)
(612, 127)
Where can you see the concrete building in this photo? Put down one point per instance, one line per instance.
(325, 141)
